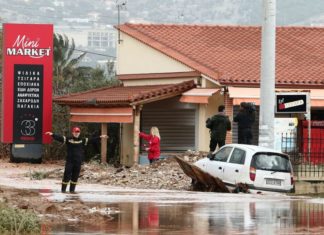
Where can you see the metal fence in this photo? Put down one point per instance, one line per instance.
(306, 154)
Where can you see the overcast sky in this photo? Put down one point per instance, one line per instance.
(245, 12)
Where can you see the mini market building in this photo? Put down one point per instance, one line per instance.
(175, 76)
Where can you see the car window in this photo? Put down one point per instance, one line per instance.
(271, 162)
(222, 155)
(238, 156)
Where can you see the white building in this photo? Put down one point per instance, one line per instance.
(99, 42)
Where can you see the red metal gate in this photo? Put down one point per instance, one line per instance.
(312, 144)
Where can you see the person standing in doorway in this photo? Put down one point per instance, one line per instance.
(218, 124)
(75, 156)
(245, 119)
(153, 147)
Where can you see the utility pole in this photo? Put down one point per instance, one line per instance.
(119, 7)
(267, 86)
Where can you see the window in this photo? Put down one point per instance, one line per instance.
(222, 155)
(96, 43)
(101, 39)
(271, 162)
(238, 156)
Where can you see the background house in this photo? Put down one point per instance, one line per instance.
(194, 68)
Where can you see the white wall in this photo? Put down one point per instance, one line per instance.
(135, 57)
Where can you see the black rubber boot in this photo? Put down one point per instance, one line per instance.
(63, 190)
(72, 187)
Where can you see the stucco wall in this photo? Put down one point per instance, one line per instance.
(206, 111)
(309, 187)
(135, 57)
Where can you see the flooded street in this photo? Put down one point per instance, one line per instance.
(125, 210)
(174, 212)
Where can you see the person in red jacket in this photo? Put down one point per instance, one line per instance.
(153, 140)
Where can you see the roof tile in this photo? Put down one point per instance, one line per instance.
(124, 96)
(232, 54)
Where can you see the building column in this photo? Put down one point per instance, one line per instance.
(104, 143)
(229, 110)
(202, 133)
(137, 114)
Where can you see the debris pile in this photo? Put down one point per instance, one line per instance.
(163, 174)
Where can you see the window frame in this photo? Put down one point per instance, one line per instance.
(244, 157)
(223, 149)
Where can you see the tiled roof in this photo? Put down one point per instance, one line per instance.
(124, 96)
(191, 74)
(232, 54)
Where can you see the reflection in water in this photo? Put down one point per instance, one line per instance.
(260, 217)
(149, 218)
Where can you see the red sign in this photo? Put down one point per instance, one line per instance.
(27, 83)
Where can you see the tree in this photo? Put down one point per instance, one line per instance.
(71, 78)
(64, 68)
(111, 69)
(91, 78)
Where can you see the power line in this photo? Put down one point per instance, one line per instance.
(94, 53)
(90, 52)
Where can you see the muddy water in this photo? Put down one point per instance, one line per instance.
(170, 212)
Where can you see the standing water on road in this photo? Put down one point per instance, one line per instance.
(174, 212)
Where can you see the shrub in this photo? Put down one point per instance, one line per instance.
(18, 221)
(38, 175)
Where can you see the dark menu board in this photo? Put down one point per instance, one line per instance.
(28, 103)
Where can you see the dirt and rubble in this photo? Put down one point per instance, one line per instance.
(163, 174)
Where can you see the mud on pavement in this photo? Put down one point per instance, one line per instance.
(164, 174)
(49, 212)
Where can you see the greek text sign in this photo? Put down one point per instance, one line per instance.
(27, 83)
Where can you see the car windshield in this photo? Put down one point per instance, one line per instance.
(271, 162)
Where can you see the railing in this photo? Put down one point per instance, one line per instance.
(306, 155)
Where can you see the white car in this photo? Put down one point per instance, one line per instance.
(262, 169)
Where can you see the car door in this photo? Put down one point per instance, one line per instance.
(234, 170)
(218, 162)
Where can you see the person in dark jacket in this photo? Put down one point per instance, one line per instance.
(245, 119)
(75, 156)
(219, 125)
(153, 140)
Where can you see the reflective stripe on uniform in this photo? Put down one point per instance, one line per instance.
(65, 182)
(86, 141)
(72, 141)
(72, 182)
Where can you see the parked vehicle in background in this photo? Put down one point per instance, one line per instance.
(261, 169)
(32, 153)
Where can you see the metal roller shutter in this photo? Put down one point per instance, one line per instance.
(176, 126)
